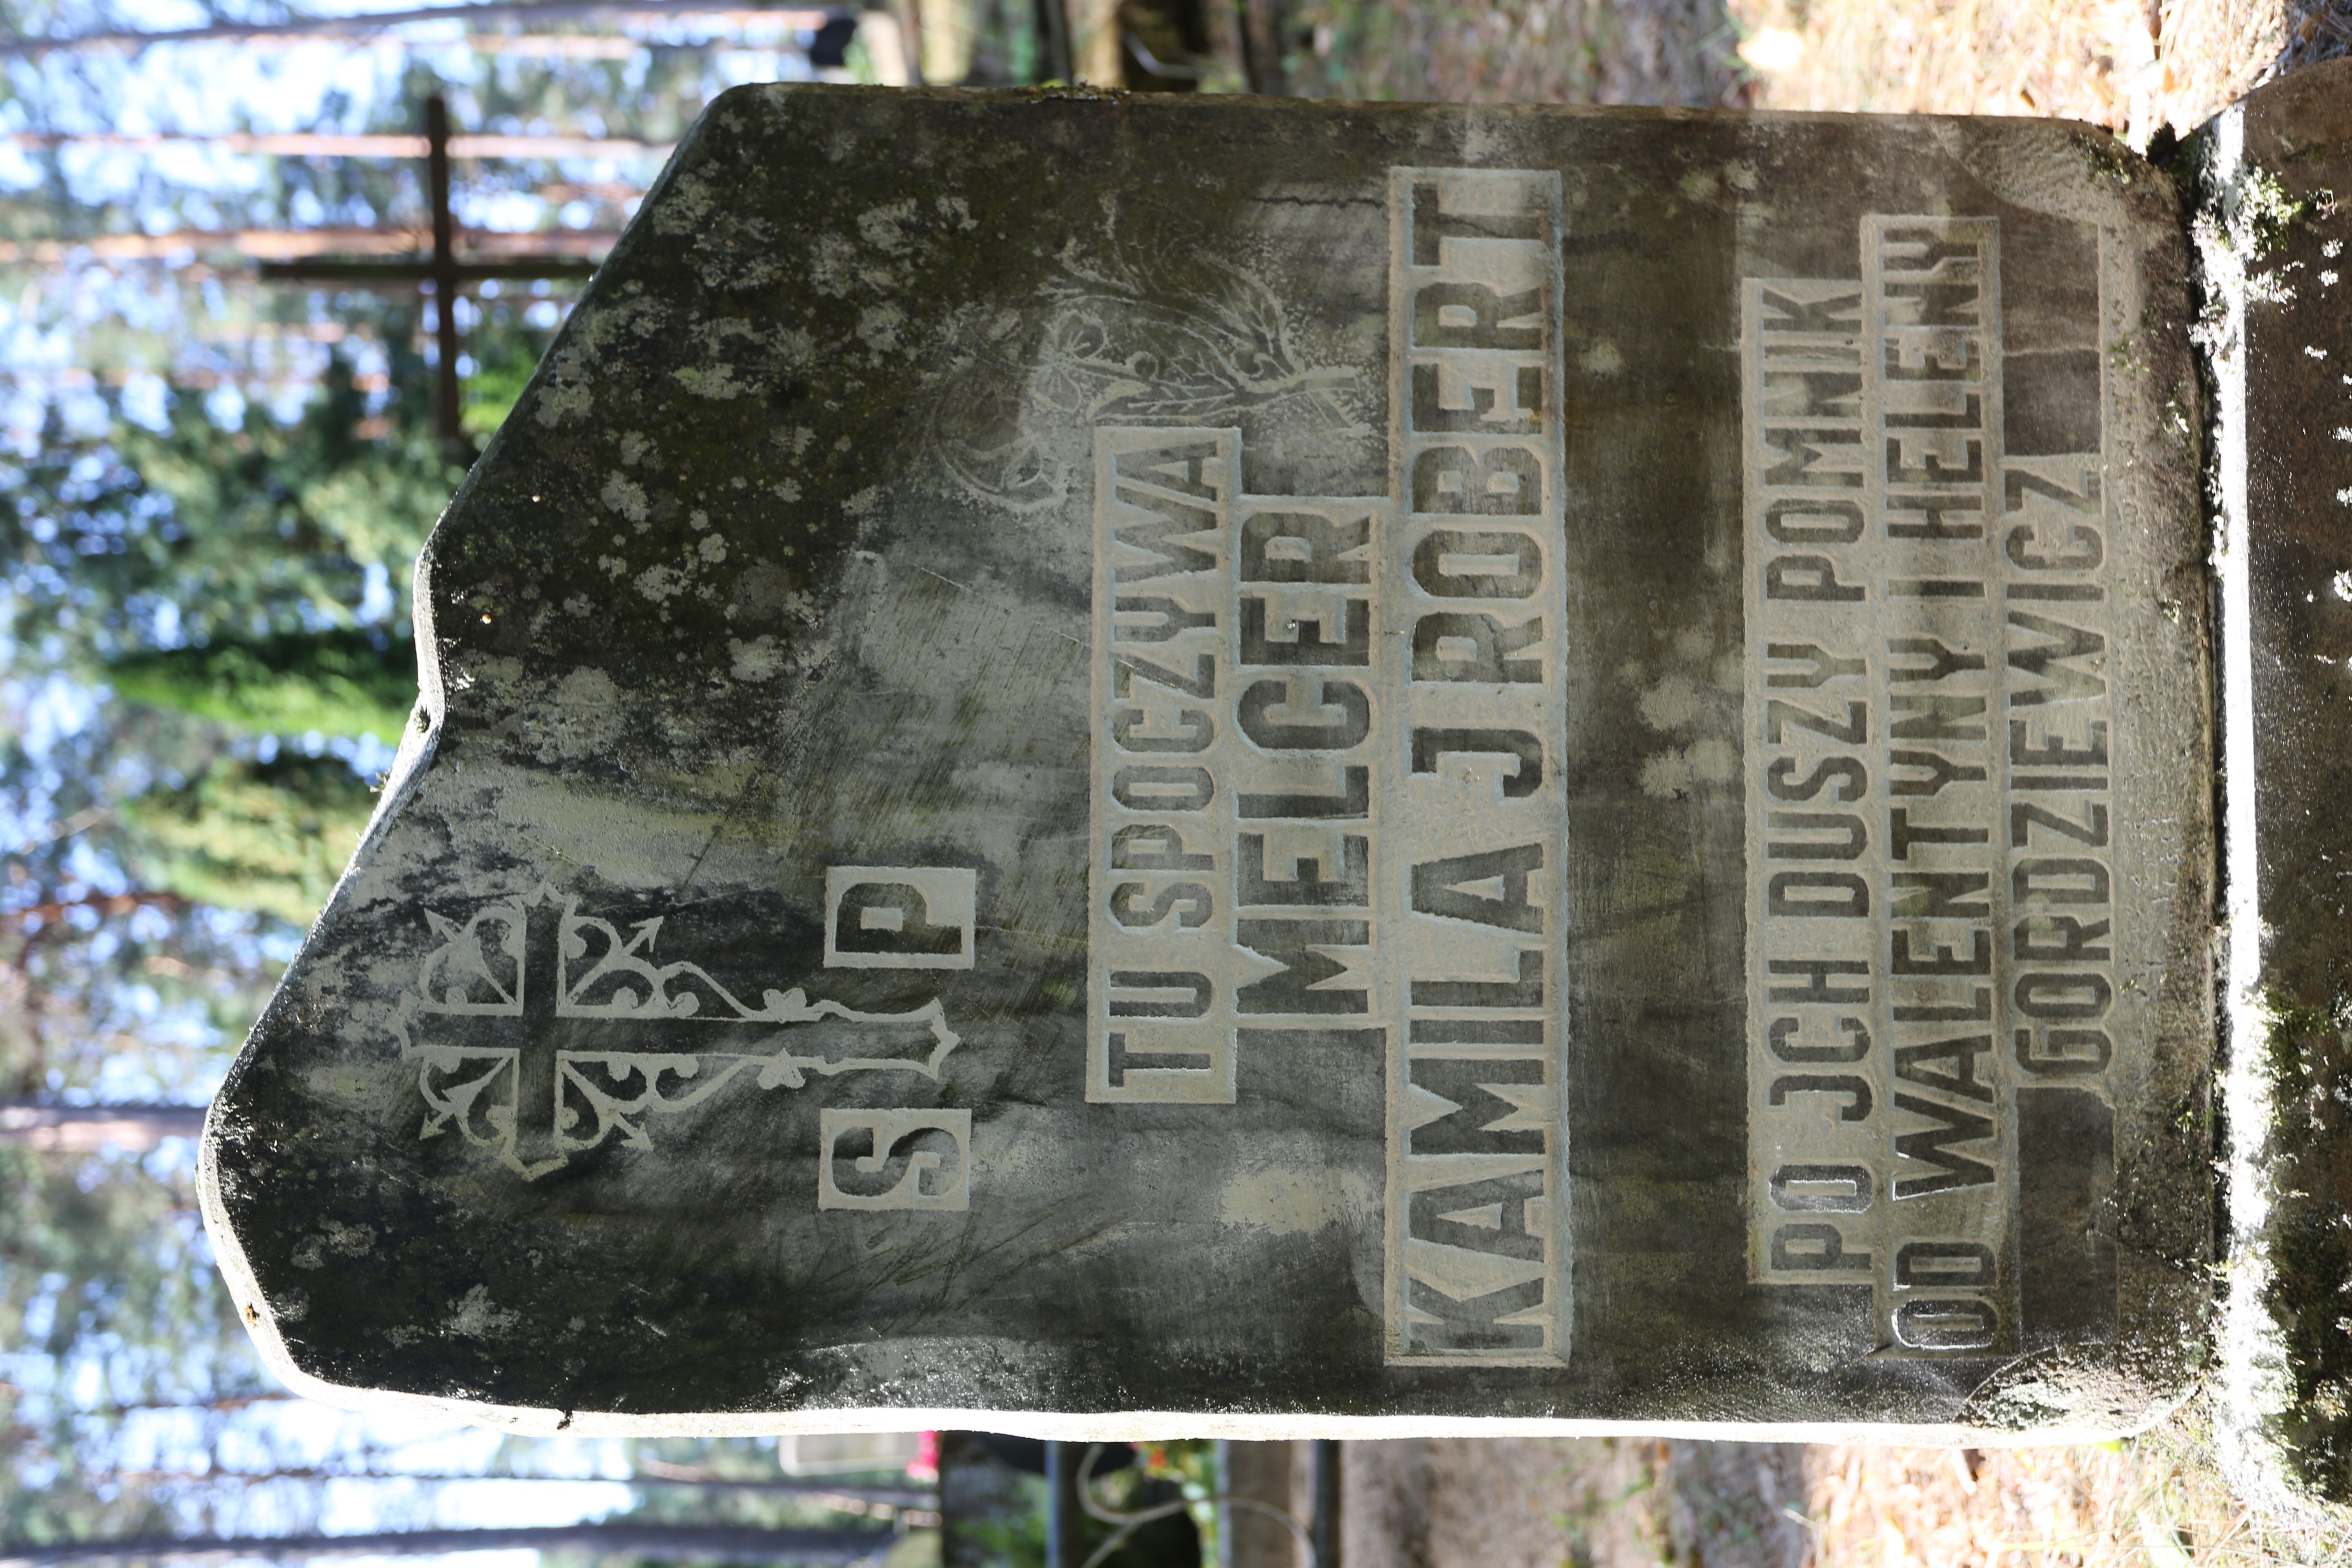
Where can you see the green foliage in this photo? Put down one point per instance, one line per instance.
(97, 977)
(226, 578)
(269, 524)
(348, 682)
(270, 838)
(140, 536)
(96, 1255)
(503, 350)
(491, 394)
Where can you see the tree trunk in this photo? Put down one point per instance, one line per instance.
(366, 24)
(1264, 25)
(291, 245)
(78, 1128)
(700, 1542)
(878, 1501)
(369, 144)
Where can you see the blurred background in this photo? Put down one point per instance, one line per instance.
(267, 277)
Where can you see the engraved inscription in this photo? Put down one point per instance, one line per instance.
(899, 917)
(1478, 1262)
(1326, 769)
(893, 1159)
(1929, 903)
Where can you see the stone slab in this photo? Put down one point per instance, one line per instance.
(1289, 769)
(2274, 237)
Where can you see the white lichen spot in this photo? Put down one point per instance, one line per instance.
(1670, 704)
(713, 550)
(786, 489)
(476, 1317)
(714, 382)
(2314, 353)
(957, 212)
(659, 583)
(587, 690)
(755, 660)
(697, 520)
(1698, 186)
(2343, 432)
(1668, 776)
(625, 496)
(2327, 278)
(2344, 495)
(634, 446)
(2332, 250)
(1671, 774)
(683, 208)
(2342, 584)
(883, 226)
(1603, 359)
(578, 603)
(350, 1240)
(612, 566)
(833, 265)
(877, 328)
(863, 502)
(1740, 177)
(559, 400)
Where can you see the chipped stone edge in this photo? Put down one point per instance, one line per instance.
(418, 742)
(1114, 1426)
(2253, 1387)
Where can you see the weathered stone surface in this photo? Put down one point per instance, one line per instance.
(1293, 766)
(2279, 338)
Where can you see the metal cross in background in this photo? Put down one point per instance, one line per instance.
(443, 270)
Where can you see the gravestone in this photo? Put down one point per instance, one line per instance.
(1282, 769)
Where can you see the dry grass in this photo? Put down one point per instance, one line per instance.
(2128, 65)
(1526, 51)
(2156, 1501)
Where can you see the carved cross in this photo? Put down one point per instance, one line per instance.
(579, 1043)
